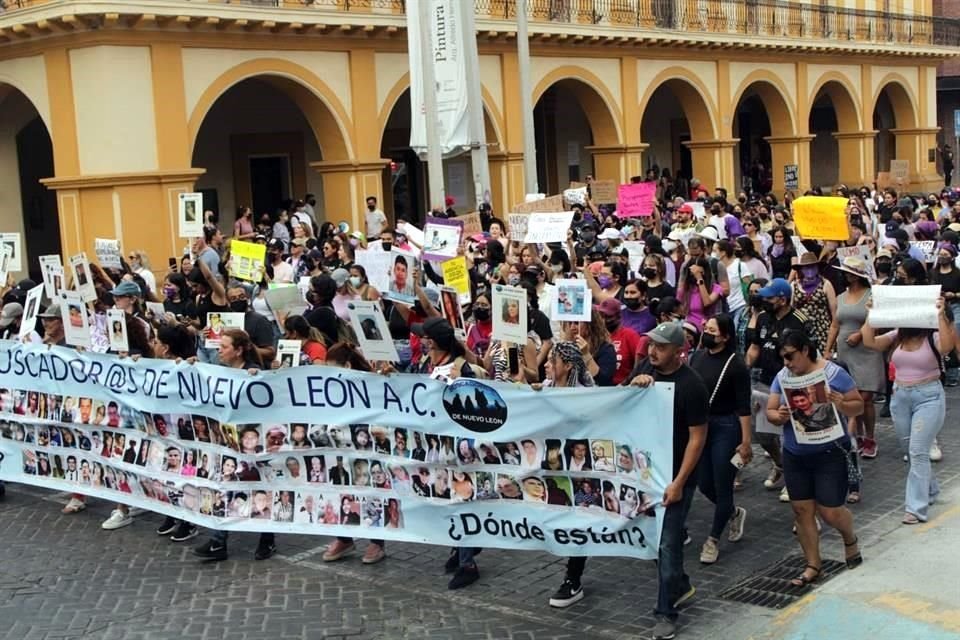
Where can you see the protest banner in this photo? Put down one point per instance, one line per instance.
(108, 253)
(456, 276)
(509, 309)
(543, 205)
(247, 260)
(277, 455)
(471, 224)
(636, 199)
(52, 270)
(604, 191)
(547, 227)
(13, 242)
(913, 307)
(376, 262)
(861, 251)
(82, 277)
(190, 215)
(441, 238)
(813, 417)
(821, 218)
(372, 331)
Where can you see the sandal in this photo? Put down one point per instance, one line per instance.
(853, 497)
(909, 518)
(856, 559)
(803, 579)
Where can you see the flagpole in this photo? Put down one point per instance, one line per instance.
(526, 108)
(478, 134)
(434, 155)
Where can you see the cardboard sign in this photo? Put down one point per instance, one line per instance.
(636, 199)
(821, 218)
(471, 224)
(899, 170)
(929, 249)
(517, 223)
(604, 191)
(861, 251)
(576, 196)
(544, 205)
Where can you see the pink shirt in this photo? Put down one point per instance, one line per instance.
(914, 366)
(695, 314)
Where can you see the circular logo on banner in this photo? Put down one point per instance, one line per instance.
(474, 406)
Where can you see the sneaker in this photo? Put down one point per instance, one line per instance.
(465, 576)
(373, 554)
(686, 597)
(784, 495)
(774, 478)
(569, 593)
(264, 551)
(74, 506)
(169, 526)
(337, 549)
(936, 454)
(212, 551)
(869, 448)
(665, 629)
(185, 531)
(709, 553)
(117, 520)
(736, 525)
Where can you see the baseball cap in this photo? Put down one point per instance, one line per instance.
(610, 234)
(276, 243)
(778, 288)
(11, 312)
(710, 233)
(434, 328)
(685, 208)
(340, 276)
(26, 284)
(609, 307)
(126, 288)
(667, 333)
(52, 312)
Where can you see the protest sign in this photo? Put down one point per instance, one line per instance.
(547, 227)
(156, 310)
(517, 225)
(376, 263)
(76, 324)
(572, 302)
(31, 308)
(456, 276)
(52, 270)
(441, 238)
(285, 301)
(453, 312)
(117, 330)
(413, 232)
(288, 353)
(604, 191)
(108, 253)
(217, 323)
(247, 260)
(861, 251)
(791, 176)
(635, 251)
(304, 473)
(821, 218)
(575, 196)
(899, 170)
(82, 277)
(699, 211)
(401, 285)
(929, 249)
(636, 199)
(913, 307)
(190, 215)
(545, 205)
(813, 417)
(5, 253)
(509, 314)
(373, 333)
(13, 241)
(471, 223)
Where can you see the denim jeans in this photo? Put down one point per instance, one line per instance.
(715, 473)
(918, 414)
(221, 537)
(674, 582)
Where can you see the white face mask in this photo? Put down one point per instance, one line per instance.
(556, 268)
(355, 282)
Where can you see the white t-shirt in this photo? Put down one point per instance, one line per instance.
(148, 278)
(376, 220)
(282, 272)
(736, 271)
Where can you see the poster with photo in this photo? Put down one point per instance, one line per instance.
(5, 253)
(31, 308)
(572, 301)
(288, 353)
(217, 323)
(76, 324)
(247, 260)
(509, 314)
(157, 310)
(377, 264)
(52, 270)
(400, 287)
(117, 330)
(190, 215)
(813, 417)
(441, 238)
(82, 277)
(108, 253)
(372, 331)
(863, 252)
(14, 242)
(452, 310)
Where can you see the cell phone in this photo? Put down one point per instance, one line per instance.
(173, 262)
(514, 356)
(737, 461)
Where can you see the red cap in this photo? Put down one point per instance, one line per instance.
(685, 208)
(450, 201)
(609, 307)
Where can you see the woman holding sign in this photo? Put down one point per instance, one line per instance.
(918, 405)
(815, 473)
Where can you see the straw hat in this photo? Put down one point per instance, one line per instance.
(808, 259)
(854, 265)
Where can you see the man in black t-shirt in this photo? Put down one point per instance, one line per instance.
(257, 327)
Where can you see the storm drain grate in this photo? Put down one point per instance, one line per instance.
(771, 587)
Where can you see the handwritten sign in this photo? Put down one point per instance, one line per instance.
(604, 191)
(545, 205)
(863, 252)
(576, 196)
(821, 218)
(928, 247)
(247, 260)
(471, 223)
(791, 176)
(899, 170)
(913, 307)
(455, 276)
(517, 223)
(636, 199)
(548, 227)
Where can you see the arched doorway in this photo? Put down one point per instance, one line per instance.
(570, 116)
(892, 110)
(26, 157)
(833, 114)
(764, 125)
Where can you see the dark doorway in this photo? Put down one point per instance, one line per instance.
(269, 182)
(41, 222)
(407, 194)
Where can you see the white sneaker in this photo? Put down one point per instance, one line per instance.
(710, 552)
(736, 524)
(936, 455)
(117, 520)
(784, 495)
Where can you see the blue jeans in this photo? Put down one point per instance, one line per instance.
(715, 473)
(918, 414)
(674, 582)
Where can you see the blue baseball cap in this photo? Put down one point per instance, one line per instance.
(778, 288)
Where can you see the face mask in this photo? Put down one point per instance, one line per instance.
(883, 266)
(513, 280)
(604, 282)
(355, 282)
(810, 273)
(556, 268)
(588, 236)
(649, 274)
(387, 246)
(170, 292)
(709, 341)
(239, 306)
(767, 306)
(371, 207)
(738, 253)
(481, 315)
(611, 325)
(632, 303)
(944, 261)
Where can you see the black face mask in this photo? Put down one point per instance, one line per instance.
(756, 301)
(611, 325)
(481, 315)
(632, 303)
(588, 236)
(708, 340)
(883, 266)
(768, 306)
(649, 274)
(239, 306)
(387, 246)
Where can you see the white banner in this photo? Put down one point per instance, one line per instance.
(450, 74)
(896, 307)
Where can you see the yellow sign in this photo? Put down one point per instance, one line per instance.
(246, 260)
(455, 275)
(821, 218)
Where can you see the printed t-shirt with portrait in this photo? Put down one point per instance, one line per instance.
(838, 380)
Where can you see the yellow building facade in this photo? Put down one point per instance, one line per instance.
(118, 107)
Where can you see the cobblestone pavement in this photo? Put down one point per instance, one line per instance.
(63, 577)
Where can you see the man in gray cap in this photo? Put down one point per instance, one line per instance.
(52, 326)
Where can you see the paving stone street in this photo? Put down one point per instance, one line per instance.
(63, 577)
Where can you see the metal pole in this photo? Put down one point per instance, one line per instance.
(434, 155)
(478, 133)
(526, 108)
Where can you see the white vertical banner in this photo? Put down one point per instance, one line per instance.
(450, 73)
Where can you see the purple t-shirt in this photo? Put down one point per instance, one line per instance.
(640, 321)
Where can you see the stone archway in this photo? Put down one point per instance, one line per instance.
(837, 129)
(765, 124)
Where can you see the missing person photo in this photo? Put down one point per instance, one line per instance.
(238, 504)
(611, 498)
(361, 472)
(261, 509)
(422, 482)
(586, 492)
(379, 478)
(299, 437)
(509, 452)
(319, 437)
(400, 446)
(466, 454)
(559, 491)
(381, 440)
(392, 514)
(328, 510)
(508, 488)
(316, 467)
(577, 453)
(283, 506)
(552, 455)
(306, 511)
(441, 484)
(349, 510)
(486, 486)
(530, 454)
(602, 452)
(372, 512)
(276, 437)
(369, 326)
(360, 435)
(400, 479)
(250, 439)
(463, 486)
